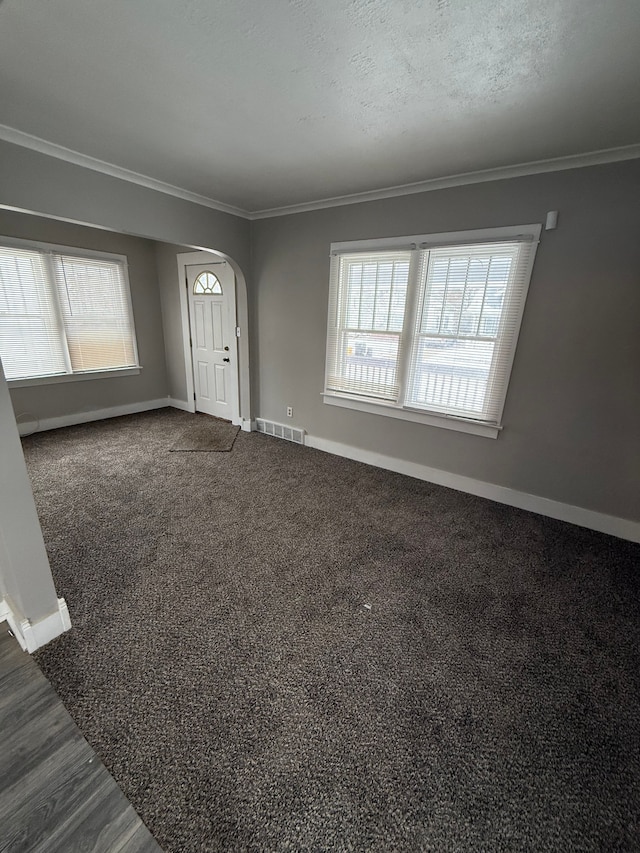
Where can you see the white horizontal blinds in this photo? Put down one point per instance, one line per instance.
(95, 310)
(31, 340)
(469, 309)
(366, 318)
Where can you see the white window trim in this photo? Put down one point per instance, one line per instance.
(426, 241)
(19, 243)
(73, 377)
(404, 413)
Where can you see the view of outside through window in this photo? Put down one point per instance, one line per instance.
(452, 337)
(457, 330)
(375, 305)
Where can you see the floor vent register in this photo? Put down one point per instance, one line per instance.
(280, 430)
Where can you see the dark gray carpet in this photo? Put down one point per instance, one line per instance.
(226, 669)
(206, 435)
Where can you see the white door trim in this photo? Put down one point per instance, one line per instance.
(185, 259)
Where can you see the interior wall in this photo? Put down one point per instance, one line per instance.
(573, 406)
(167, 270)
(40, 184)
(25, 576)
(66, 398)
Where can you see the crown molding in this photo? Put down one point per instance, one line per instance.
(536, 167)
(42, 146)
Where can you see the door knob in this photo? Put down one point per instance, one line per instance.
(226, 359)
(226, 349)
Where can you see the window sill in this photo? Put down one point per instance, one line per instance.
(430, 419)
(73, 377)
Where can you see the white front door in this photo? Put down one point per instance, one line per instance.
(212, 319)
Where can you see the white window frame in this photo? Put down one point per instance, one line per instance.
(80, 375)
(428, 241)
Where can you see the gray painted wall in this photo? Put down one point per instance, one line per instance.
(25, 576)
(167, 267)
(573, 408)
(65, 398)
(40, 184)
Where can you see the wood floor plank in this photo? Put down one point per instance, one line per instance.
(19, 699)
(96, 822)
(57, 778)
(34, 815)
(140, 842)
(11, 657)
(11, 666)
(28, 748)
(55, 794)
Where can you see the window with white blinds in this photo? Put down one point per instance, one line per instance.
(365, 339)
(63, 313)
(430, 326)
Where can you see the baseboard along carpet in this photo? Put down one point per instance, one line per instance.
(278, 649)
(207, 435)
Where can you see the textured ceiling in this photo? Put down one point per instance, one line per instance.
(262, 103)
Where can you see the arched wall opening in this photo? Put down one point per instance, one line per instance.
(170, 275)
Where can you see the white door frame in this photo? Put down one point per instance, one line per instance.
(242, 341)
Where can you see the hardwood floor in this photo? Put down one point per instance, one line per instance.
(55, 794)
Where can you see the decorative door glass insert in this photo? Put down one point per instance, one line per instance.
(208, 283)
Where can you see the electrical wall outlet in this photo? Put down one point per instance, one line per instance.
(289, 411)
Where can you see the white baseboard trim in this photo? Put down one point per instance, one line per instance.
(181, 404)
(245, 424)
(614, 526)
(28, 427)
(33, 635)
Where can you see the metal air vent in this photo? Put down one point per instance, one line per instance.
(280, 430)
